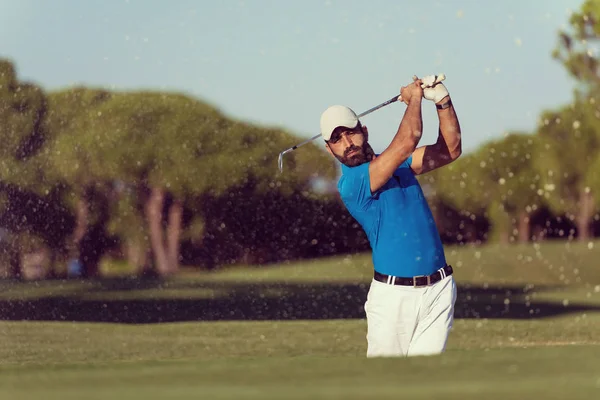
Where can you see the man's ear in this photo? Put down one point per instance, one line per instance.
(365, 132)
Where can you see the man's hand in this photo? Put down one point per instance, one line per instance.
(433, 89)
(413, 91)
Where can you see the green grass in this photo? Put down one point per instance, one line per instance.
(270, 360)
(495, 374)
(555, 357)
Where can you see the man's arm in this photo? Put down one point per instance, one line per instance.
(404, 142)
(448, 146)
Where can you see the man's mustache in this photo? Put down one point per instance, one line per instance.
(351, 149)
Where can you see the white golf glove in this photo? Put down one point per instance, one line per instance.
(433, 88)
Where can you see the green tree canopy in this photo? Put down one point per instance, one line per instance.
(460, 185)
(569, 141)
(168, 145)
(577, 47)
(22, 108)
(507, 170)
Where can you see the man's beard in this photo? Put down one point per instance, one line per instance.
(363, 154)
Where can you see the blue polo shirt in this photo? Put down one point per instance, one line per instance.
(397, 220)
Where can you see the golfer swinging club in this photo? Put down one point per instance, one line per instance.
(410, 304)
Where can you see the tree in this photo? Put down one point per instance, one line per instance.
(568, 145)
(577, 51)
(577, 47)
(507, 168)
(168, 148)
(71, 114)
(460, 187)
(23, 175)
(22, 108)
(592, 181)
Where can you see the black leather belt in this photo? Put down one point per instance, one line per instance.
(415, 281)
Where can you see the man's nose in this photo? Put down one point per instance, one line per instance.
(346, 140)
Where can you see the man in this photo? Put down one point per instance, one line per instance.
(410, 304)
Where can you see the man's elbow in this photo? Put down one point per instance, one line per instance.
(414, 140)
(454, 154)
(455, 150)
(408, 148)
(408, 145)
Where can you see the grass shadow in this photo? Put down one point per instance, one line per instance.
(219, 301)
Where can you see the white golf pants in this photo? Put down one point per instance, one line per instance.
(409, 321)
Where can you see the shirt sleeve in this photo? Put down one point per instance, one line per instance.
(355, 188)
(407, 162)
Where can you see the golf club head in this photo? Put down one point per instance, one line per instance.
(280, 162)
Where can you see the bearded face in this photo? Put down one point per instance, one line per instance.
(350, 146)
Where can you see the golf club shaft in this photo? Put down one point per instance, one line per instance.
(377, 107)
(385, 103)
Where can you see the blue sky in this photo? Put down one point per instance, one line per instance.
(280, 63)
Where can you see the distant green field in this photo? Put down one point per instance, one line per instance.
(528, 324)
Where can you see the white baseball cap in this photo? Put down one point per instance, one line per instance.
(336, 116)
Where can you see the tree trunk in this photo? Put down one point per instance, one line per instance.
(173, 234)
(584, 216)
(523, 227)
(153, 209)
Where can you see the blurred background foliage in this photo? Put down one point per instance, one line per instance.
(160, 180)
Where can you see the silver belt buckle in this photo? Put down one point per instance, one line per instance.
(421, 276)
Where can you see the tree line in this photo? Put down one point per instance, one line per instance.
(161, 179)
(547, 180)
(87, 172)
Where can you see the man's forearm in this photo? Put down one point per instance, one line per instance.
(450, 129)
(382, 167)
(411, 128)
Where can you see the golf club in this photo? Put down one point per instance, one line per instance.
(280, 160)
(428, 81)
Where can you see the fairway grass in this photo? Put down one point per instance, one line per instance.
(50, 343)
(509, 351)
(493, 359)
(548, 373)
